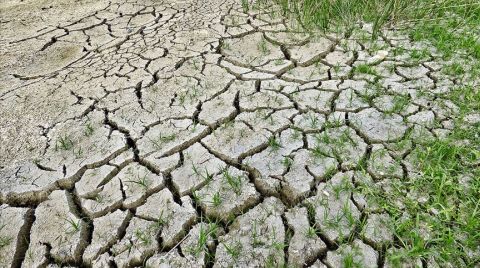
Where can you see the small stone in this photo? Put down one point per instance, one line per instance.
(378, 57)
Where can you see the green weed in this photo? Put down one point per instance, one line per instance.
(64, 143)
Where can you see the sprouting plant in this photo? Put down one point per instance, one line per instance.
(99, 198)
(350, 97)
(245, 6)
(155, 88)
(193, 127)
(278, 62)
(333, 122)
(272, 262)
(275, 244)
(205, 233)
(454, 69)
(73, 225)
(365, 69)
(419, 54)
(278, 100)
(233, 20)
(29, 254)
(287, 162)
(234, 250)
(216, 199)
(313, 120)
(390, 67)
(310, 209)
(310, 77)
(64, 143)
(79, 152)
(263, 46)
(142, 181)
(194, 93)
(332, 221)
(349, 261)
(318, 151)
(195, 64)
(255, 240)
(144, 237)
(310, 232)
(343, 186)
(162, 139)
(197, 198)
(330, 172)
(399, 104)
(206, 175)
(346, 137)
(347, 213)
(4, 241)
(88, 129)
(235, 182)
(336, 68)
(270, 119)
(182, 97)
(161, 220)
(297, 134)
(274, 144)
(227, 124)
(225, 46)
(278, 246)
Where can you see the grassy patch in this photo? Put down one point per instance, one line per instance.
(365, 69)
(439, 213)
(449, 24)
(446, 225)
(450, 35)
(327, 14)
(438, 217)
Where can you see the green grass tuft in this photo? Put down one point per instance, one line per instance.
(439, 21)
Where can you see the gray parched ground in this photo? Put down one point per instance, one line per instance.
(196, 133)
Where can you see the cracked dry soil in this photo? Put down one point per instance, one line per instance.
(193, 133)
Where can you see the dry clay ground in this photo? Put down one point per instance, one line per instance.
(193, 133)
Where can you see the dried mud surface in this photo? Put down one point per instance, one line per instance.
(194, 133)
